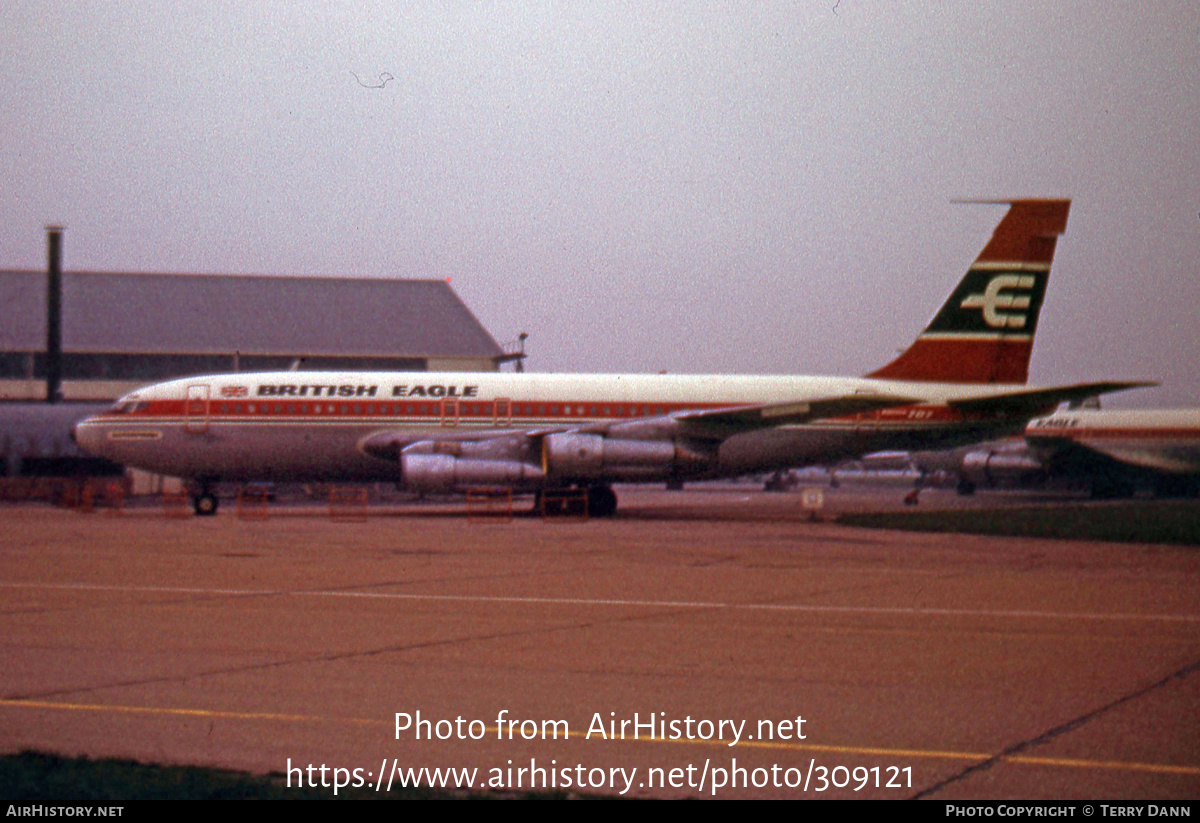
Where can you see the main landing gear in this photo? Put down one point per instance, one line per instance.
(601, 501)
(204, 503)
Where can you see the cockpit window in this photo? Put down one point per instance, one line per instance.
(126, 406)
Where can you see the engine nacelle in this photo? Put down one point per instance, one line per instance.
(444, 473)
(1001, 468)
(573, 455)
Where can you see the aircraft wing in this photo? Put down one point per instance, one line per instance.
(1035, 402)
(721, 423)
(701, 424)
(726, 421)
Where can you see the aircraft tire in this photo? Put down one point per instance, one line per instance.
(205, 505)
(602, 501)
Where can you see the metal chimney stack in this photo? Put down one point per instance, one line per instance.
(54, 314)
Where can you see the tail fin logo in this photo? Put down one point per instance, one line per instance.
(984, 331)
(994, 298)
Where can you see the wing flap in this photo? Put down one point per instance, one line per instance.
(724, 422)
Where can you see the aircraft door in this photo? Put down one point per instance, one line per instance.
(450, 412)
(866, 424)
(503, 412)
(195, 409)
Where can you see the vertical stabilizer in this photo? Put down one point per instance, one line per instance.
(984, 332)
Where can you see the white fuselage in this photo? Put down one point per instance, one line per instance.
(1166, 440)
(312, 425)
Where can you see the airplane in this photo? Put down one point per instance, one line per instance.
(1111, 452)
(1116, 450)
(961, 381)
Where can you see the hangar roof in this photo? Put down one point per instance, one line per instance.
(187, 313)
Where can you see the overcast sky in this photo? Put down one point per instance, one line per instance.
(740, 187)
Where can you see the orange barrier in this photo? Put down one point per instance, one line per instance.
(252, 503)
(347, 505)
(66, 494)
(493, 504)
(114, 498)
(568, 503)
(85, 500)
(16, 488)
(175, 504)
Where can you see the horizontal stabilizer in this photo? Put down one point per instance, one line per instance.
(1036, 402)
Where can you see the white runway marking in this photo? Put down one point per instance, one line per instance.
(581, 601)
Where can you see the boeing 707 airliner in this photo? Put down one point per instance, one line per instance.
(961, 381)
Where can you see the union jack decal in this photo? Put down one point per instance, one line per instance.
(235, 391)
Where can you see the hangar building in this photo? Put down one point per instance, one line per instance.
(121, 331)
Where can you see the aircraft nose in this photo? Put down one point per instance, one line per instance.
(84, 436)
